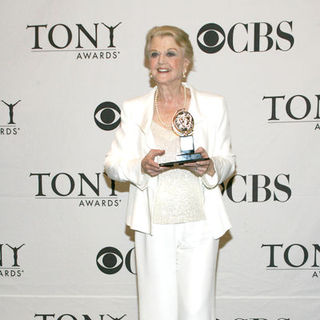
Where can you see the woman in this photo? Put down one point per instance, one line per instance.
(177, 213)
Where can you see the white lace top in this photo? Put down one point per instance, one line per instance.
(179, 196)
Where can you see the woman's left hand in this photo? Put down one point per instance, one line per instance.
(200, 168)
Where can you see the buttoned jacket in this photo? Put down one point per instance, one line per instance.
(134, 139)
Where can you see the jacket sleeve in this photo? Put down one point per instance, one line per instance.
(123, 161)
(222, 156)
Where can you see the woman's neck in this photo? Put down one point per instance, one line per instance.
(170, 94)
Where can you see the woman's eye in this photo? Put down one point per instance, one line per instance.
(154, 54)
(171, 54)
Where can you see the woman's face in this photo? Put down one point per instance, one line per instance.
(166, 60)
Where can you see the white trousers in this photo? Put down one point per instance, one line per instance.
(176, 272)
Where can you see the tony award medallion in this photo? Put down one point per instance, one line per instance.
(183, 125)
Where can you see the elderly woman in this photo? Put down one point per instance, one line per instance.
(177, 212)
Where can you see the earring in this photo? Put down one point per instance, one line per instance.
(150, 75)
(184, 74)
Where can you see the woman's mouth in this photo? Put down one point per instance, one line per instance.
(163, 70)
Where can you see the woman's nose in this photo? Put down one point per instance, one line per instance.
(161, 58)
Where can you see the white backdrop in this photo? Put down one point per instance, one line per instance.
(64, 250)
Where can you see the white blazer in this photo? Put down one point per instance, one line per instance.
(134, 139)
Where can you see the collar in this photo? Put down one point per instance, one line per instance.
(194, 109)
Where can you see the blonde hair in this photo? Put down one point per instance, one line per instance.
(180, 37)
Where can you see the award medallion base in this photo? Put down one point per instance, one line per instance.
(183, 158)
(183, 125)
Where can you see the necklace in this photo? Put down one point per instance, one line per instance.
(157, 109)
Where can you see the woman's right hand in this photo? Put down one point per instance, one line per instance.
(149, 166)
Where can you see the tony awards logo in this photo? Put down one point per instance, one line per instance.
(11, 106)
(10, 128)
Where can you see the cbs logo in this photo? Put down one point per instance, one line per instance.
(246, 37)
(107, 115)
(110, 260)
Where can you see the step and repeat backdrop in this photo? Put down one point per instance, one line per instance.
(67, 66)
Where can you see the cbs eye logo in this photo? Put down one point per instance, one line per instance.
(211, 38)
(110, 260)
(107, 115)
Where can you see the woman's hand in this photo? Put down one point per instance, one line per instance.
(200, 168)
(149, 166)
